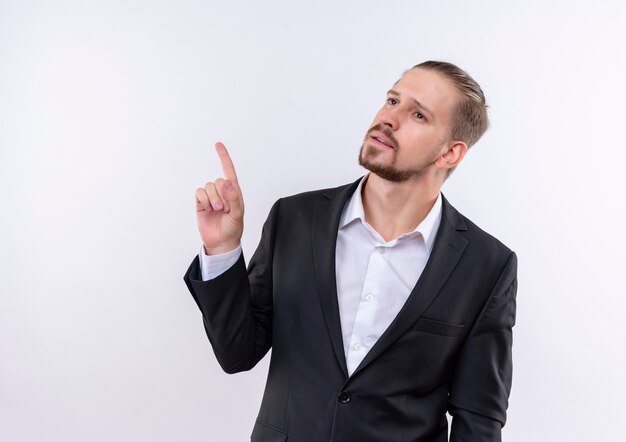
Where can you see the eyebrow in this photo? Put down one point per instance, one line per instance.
(420, 105)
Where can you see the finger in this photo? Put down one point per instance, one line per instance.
(202, 201)
(231, 193)
(219, 187)
(227, 164)
(214, 198)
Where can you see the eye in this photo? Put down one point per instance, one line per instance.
(419, 115)
(392, 101)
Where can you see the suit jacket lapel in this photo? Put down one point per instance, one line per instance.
(447, 250)
(326, 217)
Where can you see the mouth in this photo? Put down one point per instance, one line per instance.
(381, 141)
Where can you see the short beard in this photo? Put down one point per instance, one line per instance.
(389, 171)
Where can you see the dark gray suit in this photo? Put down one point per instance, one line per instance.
(449, 348)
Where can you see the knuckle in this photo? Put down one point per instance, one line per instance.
(219, 185)
(200, 193)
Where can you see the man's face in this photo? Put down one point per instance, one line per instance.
(408, 133)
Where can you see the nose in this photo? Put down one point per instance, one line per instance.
(389, 117)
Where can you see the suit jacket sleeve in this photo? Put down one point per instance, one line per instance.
(237, 305)
(481, 381)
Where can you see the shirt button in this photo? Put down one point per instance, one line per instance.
(369, 297)
(344, 397)
(357, 346)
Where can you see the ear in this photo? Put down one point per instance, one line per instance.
(452, 154)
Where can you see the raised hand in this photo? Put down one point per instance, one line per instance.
(219, 209)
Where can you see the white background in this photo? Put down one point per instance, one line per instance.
(108, 115)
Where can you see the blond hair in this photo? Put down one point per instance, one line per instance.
(469, 119)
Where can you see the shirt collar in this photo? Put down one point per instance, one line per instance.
(427, 228)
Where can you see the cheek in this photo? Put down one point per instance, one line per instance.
(417, 142)
(426, 134)
(416, 136)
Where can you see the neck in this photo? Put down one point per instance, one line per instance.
(393, 209)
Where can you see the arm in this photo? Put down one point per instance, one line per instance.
(481, 382)
(237, 305)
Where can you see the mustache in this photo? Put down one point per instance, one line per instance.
(384, 129)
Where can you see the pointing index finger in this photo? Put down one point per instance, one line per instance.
(227, 164)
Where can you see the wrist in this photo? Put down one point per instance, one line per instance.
(223, 248)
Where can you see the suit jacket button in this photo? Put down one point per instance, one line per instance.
(344, 397)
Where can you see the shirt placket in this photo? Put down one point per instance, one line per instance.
(367, 311)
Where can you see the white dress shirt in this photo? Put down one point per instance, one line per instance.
(374, 277)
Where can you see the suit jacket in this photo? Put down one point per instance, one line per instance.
(448, 349)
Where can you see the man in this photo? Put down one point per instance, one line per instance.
(384, 307)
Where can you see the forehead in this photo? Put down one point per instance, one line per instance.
(430, 88)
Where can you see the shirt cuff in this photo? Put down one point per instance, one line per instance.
(211, 266)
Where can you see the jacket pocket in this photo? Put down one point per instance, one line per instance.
(438, 327)
(263, 432)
